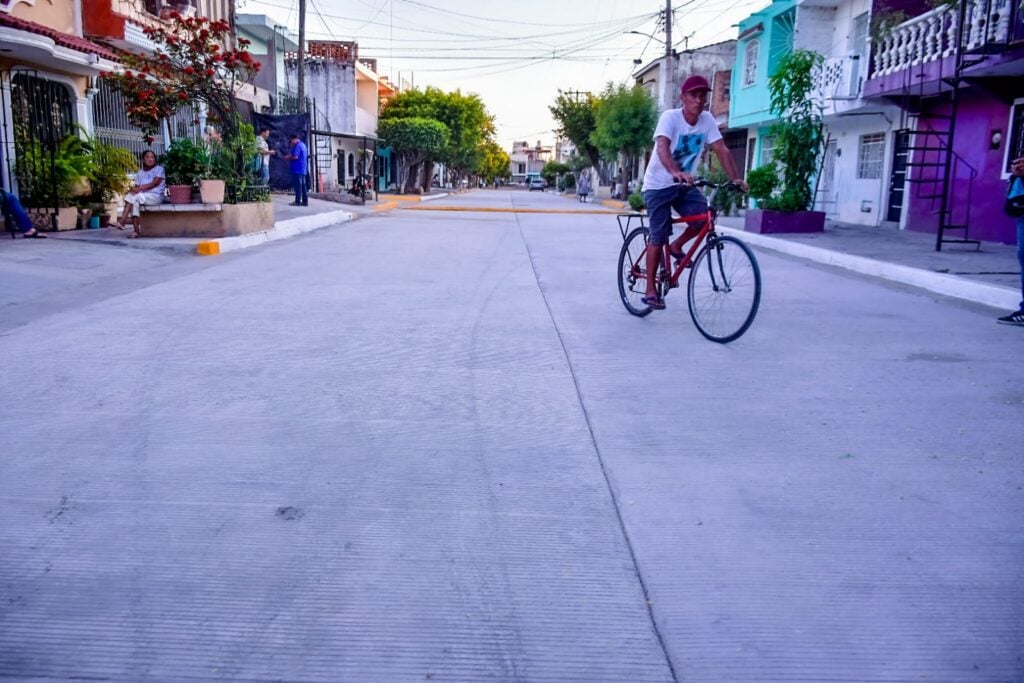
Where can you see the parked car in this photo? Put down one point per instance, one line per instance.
(537, 184)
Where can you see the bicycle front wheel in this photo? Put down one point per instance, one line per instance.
(633, 272)
(724, 289)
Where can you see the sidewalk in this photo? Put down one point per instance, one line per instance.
(989, 276)
(288, 222)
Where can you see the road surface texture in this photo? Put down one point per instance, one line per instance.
(432, 445)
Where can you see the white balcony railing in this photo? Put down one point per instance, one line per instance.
(932, 35)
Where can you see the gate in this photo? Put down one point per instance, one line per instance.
(38, 117)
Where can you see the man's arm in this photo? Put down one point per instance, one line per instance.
(725, 158)
(665, 156)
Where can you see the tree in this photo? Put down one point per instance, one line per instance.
(189, 67)
(552, 170)
(414, 139)
(799, 136)
(470, 126)
(492, 161)
(624, 124)
(576, 121)
(465, 117)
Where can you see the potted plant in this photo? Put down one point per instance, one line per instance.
(110, 179)
(784, 189)
(185, 163)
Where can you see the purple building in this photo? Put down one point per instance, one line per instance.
(957, 72)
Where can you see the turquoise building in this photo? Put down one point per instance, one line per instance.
(765, 38)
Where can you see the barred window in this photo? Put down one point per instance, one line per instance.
(870, 156)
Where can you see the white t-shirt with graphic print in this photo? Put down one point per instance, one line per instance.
(686, 142)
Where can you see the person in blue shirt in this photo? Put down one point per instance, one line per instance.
(1016, 189)
(298, 162)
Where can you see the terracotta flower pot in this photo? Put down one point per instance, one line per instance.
(179, 194)
(211, 191)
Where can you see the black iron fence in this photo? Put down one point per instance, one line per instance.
(37, 139)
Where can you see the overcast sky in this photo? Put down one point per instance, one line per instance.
(514, 54)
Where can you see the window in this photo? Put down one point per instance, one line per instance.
(767, 146)
(522, 169)
(750, 63)
(858, 51)
(870, 155)
(351, 164)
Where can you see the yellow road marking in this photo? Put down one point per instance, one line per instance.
(511, 209)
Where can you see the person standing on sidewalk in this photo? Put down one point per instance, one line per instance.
(299, 159)
(264, 152)
(584, 186)
(1017, 190)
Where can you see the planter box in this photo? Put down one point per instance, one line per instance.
(42, 219)
(769, 222)
(206, 220)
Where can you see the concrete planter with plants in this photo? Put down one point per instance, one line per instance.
(784, 188)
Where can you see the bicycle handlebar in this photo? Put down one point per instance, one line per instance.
(704, 182)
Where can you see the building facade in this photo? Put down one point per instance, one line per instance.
(269, 43)
(48, 75)
(345, 92)
(957, 73)
(526, 161)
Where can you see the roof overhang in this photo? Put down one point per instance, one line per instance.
(264, 28)
(36, 49)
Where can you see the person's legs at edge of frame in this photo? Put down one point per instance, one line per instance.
(659, 213)
(1017, 317)
(265, 174)
(12, 206)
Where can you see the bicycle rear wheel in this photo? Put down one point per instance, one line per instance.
(633, 272)
(724, 289)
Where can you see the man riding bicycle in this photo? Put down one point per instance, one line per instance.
(679, 142)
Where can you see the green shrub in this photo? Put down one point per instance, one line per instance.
(186, 162)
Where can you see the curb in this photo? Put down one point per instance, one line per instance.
(411, 198)
(281, 230)
(938, 283)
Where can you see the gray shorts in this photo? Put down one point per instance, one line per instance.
(687, 201)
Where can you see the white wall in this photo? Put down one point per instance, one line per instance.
(853, 199)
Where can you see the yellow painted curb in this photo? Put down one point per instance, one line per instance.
(402, 197)
(208, 248)
(613, 203)
(484, 209)
(386, 206)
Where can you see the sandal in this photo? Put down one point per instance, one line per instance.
(33, 235)
(655, 302)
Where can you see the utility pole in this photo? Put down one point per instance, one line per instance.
(668, 78)
(668, 28)
(302, 56)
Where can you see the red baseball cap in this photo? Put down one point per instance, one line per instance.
(695, 83)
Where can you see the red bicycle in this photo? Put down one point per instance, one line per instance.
(723, 290)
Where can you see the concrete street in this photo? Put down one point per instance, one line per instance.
(432, 445)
